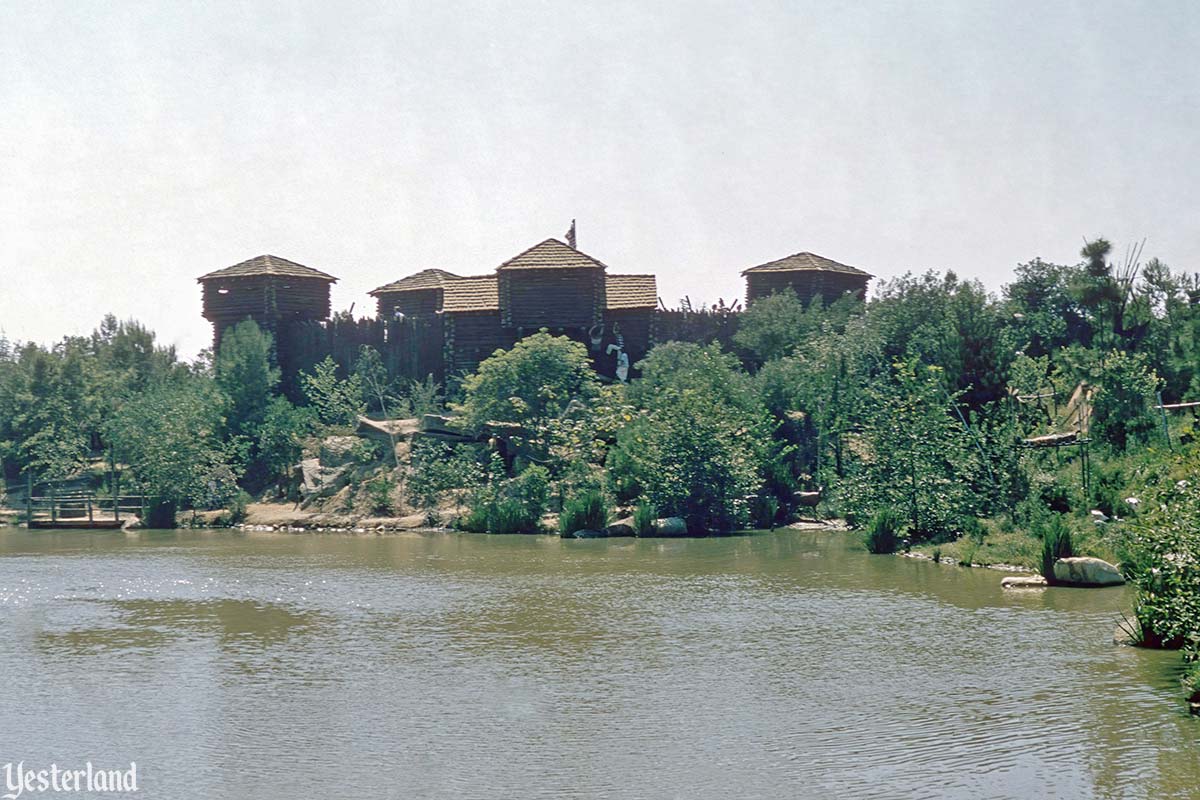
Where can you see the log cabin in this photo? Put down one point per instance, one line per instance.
(809, 276)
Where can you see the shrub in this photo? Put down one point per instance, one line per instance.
(439, 469)
(644, 516)
(586, 510)
(379, 492)
(515, 505)
(425, 397)
(237, 507)
(1056, 543)
(882, 534)
(763, 509)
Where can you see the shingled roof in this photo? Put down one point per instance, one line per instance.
(630, 291)
(471, 294)
(552, 254)
(806, 262)
(425, 279)
(268, 265)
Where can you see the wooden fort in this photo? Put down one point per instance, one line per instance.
(441, 323)
(270, 290)
(551, 285)
(809, 276)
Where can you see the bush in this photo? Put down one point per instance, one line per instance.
(379, 492)
(882, 534)
(509, 506)
(763, 509)
(237, 507)
(644, 516)
(1056, 543)
(585, 511)
(439, 469)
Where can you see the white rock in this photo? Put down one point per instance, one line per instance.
(1023, 582)
(1086, 571)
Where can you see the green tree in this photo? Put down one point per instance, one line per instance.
(246, 376)
(281, 437)
(535, 380)
(169, 438)
(337, 401)
(917, 456)
(702, 438)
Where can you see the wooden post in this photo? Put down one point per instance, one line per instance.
(29, 499)
(89, 506)
(53, 504)
(1166, 428)
(116, 490)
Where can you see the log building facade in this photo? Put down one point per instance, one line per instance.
(441, 323)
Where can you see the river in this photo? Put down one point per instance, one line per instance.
(777, 665)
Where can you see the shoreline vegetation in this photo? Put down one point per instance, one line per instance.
(1052, 422)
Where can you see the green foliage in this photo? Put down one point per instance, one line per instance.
(281, 436)
(772, 327)
(379, 494)
(918, 457)
(509, 505)
(169, 438)
(1160, 555)
(763, 510)
(337, 401)
(1121, 407)
(439, 469)
(586, 510)
(537, 379)
(1056, 542)
(244, 373)
(883, 531)
(699, 446)
(425, 397)
(644, 516)
(237, 506)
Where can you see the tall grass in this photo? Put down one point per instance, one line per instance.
(644, 516)
(585, 511)
(883, 531)
(1056, 543)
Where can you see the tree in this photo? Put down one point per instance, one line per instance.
(535, 380)
(337, 402)
(246, 376)
(281, 436)
(702, 439)
(169, 437)
(917, 456)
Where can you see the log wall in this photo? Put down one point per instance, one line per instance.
(535, 298)
(830, 286)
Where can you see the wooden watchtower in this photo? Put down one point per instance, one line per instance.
(418, 295)
(809, 276)
(267, 289)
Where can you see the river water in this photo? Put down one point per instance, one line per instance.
(777, 665)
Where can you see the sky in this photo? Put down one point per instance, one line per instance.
(145, 144)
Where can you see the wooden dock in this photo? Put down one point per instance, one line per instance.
(81, 510)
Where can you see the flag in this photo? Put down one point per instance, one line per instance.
(571, 235)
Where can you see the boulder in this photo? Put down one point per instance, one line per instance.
(337, 450)
(1023, 582)
(1086, 571)
(670, 526)
(620, 528)
(132, 524)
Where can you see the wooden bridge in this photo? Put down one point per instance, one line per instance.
(81, 510)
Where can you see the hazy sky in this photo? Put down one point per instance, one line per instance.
(144, 144)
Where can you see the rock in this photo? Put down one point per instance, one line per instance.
(132, 524)
(1099, 517)
(1023, 582)
(1086, 571)
(620, 528)
(588, 534)
(337, 450)
(438, 423)
(670, 526)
